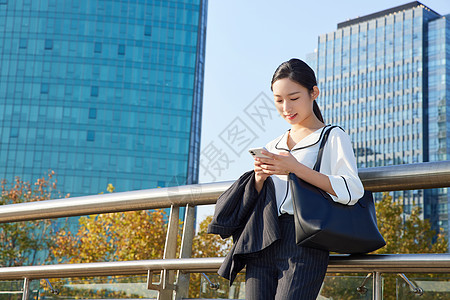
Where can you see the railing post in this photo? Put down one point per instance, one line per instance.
(170, 249)
(182, 286)
(377, 286)
(26, 289)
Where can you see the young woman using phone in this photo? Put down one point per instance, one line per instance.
(276, 267)
(285, 270)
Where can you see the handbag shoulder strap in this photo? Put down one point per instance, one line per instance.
(322, 145)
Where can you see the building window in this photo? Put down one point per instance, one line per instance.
(44, 88)
(138, 162)
(92, 113)
(22, 43)
(94, 91)
(90, 136)
(161, 183)
(14, 132)
(98, 47)
(48, 44)
(121, 49)
(148, 30)
(114, 138)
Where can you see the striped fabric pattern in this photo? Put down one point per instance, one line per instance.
(285, 270)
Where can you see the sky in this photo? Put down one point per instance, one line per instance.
(246, 40)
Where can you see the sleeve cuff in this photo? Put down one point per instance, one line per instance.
(342, 189)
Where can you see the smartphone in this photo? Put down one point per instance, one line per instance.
(256, 152)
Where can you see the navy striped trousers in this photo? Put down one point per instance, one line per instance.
(284, 270)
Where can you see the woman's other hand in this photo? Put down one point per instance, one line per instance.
(260, 175)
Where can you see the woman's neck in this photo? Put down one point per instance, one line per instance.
(310, 124)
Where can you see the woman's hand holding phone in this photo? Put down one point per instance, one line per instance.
(260, 175)
(274, 164)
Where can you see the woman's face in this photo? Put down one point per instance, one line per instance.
(293, 101)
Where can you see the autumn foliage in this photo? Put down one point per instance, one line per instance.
(208, 245)
(409, 235)
(26, 243)
(403, 235)
(134, 235)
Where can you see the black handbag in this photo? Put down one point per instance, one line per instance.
(325, 224)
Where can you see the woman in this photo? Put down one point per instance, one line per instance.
(285, 270)
(257, 209)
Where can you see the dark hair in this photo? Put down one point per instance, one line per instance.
(299, 72)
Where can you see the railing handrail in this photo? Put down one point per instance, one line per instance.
(390, 178)
(386, 263)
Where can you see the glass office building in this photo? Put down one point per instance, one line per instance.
(101, 92)
(385, 78)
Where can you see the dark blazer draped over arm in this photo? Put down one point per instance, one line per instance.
(250, 218)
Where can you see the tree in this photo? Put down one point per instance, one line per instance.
(26, 243)
(135, 235)
(409, 235)
(208, 245)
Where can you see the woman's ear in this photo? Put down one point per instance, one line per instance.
(315, 92)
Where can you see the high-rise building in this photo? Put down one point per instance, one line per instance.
(101, 92)
(385, 78)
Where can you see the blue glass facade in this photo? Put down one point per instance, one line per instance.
(439, 106)
(101, 92)
(384, 77)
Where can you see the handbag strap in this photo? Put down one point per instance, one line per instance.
(322, 145)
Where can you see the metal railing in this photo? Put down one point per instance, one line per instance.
(401, 177)
(383, 263)
(391, 178)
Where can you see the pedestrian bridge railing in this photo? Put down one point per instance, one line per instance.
(175, 272)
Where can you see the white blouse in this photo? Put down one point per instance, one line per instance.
(338, 163)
